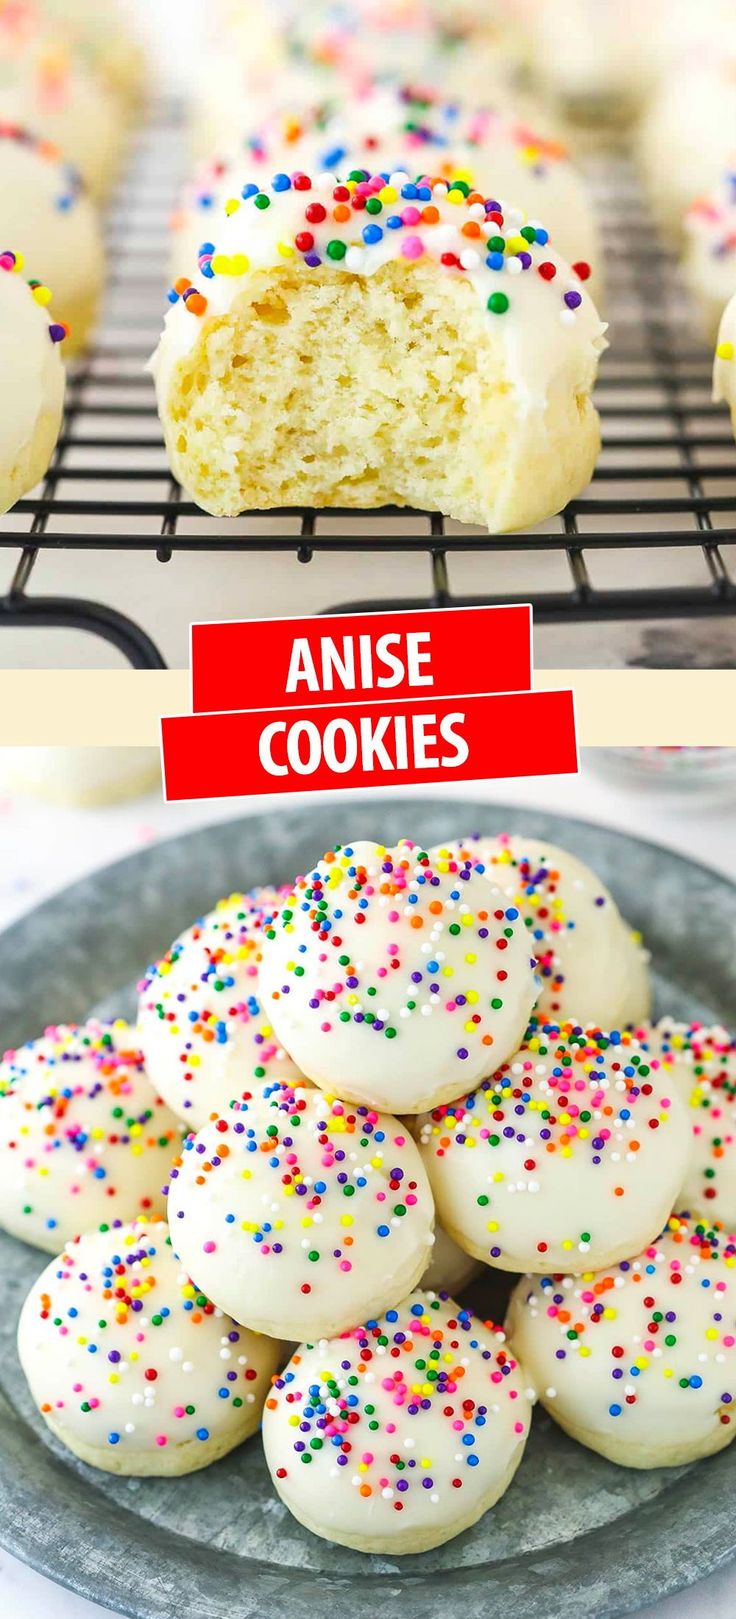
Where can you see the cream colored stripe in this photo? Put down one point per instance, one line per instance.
(615, 708)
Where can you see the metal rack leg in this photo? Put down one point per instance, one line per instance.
(60, 612)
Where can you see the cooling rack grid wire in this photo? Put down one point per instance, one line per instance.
(666, 479)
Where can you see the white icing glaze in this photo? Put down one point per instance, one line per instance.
(550, 328)
(570, 1157)
(591, 966)
(300, 1214)
(31, 366)
(411, 1425)
(704, 1066)
(46, 215)
(84, 1138)
(171, 1383)
(387, 126)
(638, 1361)
(201, 1021)
(394, 983)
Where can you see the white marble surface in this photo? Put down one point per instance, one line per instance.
(43, 848)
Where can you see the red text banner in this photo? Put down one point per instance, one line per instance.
(313, 749)
(365, 657)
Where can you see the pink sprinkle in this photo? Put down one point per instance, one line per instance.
(161, 1439)
(412, 247)
(209, 1247)
(410, 216)
(179, 1411)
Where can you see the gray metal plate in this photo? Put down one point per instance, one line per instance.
(574, 1536)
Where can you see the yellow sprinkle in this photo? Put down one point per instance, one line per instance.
(725, 351)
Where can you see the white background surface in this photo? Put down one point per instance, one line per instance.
(43, 848)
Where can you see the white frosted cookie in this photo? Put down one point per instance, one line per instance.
(85, 1140)
(710, 254)
(592, 967)
(104, 38)
(301, 1214)
(395, 984)
(412, 1426)
(131, 1367)
(570, 1157)
(638, 1362)
(396, 126)
(474, 352)
(201, 1020)
(590, 58)
(687, 138)
(35, 382)
(450, 1268)
(704, 1065)
(44, 87)
(46, 214)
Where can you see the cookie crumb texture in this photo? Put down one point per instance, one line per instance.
(402, 1433)
(363, 391)
(380, 340)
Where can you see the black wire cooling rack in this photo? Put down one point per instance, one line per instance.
(666, 480)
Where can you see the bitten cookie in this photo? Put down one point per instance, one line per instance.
(592, 967)
(412, 1426)
(47, 215)
(465, 387)
(638, 1362)
(704, 1065)
(131, 1366)
(394, 983)
(300, 1214)
(201, 1021)
(30, 363)
(85, 1140)
(396, 126)
(569, 1158)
